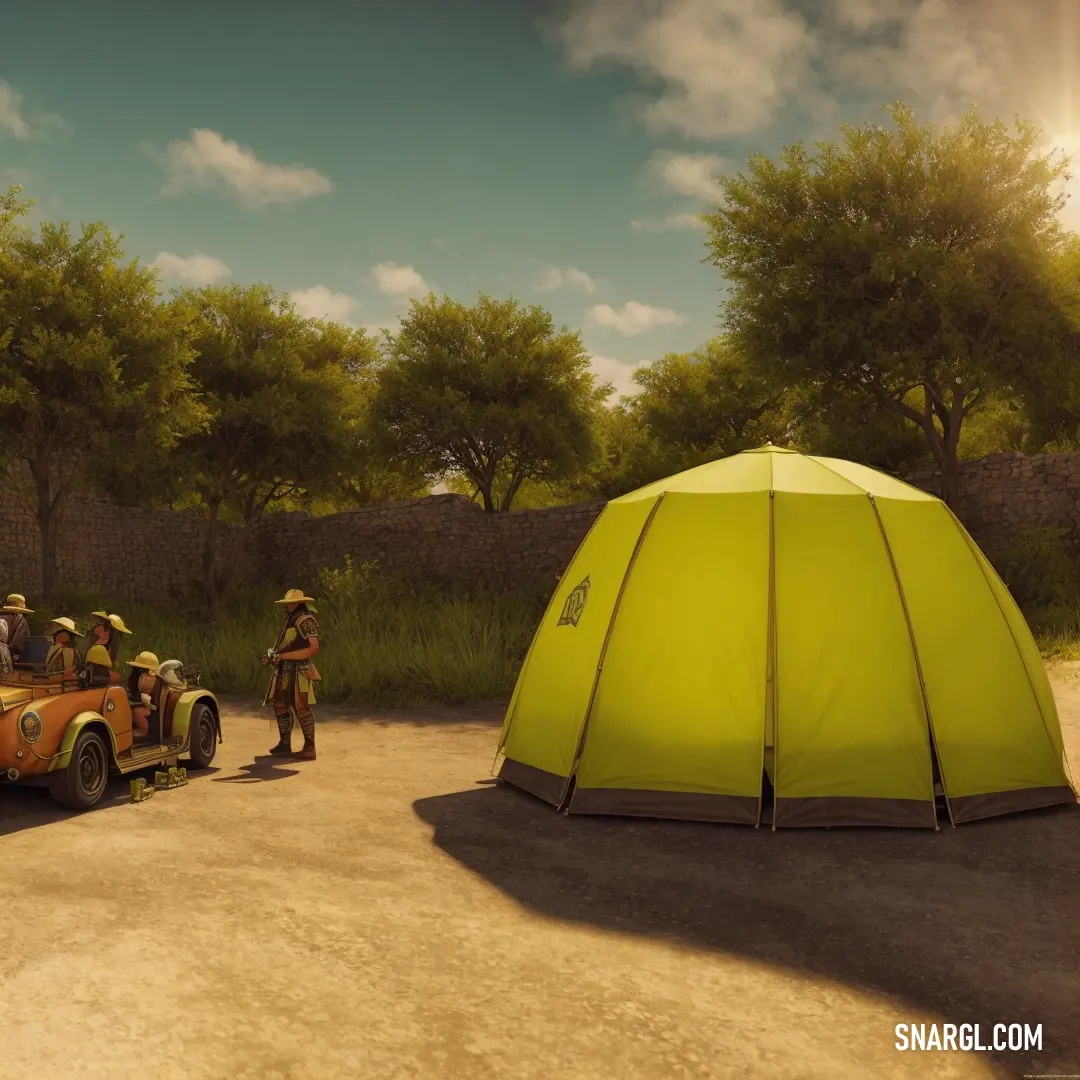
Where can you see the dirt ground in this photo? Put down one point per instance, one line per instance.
(386, 913)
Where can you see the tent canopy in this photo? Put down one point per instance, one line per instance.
(802, 619)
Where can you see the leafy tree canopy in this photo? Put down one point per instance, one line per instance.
(910, 260)
(88, 358)
(491, 392)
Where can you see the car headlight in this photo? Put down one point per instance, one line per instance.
(30, 726)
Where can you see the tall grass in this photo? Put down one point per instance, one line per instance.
(388, 640)
(384, 640)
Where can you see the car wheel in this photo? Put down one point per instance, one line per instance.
(203, 730)
(82, 784)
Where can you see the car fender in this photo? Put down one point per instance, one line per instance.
(62, 758)
(185, 706)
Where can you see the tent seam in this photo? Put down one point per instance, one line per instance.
(897, 479)
(818, 461)
(918, 666)
(970, 544)
(771, 647)
(528, 655)
(582, 738)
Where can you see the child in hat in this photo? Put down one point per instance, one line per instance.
(62, 657)
(14, 613)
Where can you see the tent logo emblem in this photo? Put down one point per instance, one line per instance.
(575, 604)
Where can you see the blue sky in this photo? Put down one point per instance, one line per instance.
(355, 154)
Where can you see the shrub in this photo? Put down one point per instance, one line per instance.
(1039, 570)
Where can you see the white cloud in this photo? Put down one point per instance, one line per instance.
(634, 318)
(728, 67)
(693, 175)
(195, 269)
(11, 115)
(206, 159)
(319, 302)
(672, 221)
(404, 282)
(620, 375)
(556, 277)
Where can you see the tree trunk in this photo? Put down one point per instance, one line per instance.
(48, 522)
(209, 568)
(511, 491)
(485, 493)
(943, 444)
(950, 475)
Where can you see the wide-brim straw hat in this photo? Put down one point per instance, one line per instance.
(113, 620)
(147, 660)
(65, 624)
(17, 602)
(295, 596)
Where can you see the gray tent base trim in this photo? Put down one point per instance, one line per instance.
(678, 805)
(544, 785)
(841, 810)
(829, 810)
(995, 803)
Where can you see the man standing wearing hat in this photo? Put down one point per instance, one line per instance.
(62, 657)
(14, 613)
(292, 687)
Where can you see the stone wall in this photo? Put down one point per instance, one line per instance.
(111, 550)
(1003, 493)
(148, 554)
(439, 536)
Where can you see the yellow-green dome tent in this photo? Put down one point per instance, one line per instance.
(799, 617)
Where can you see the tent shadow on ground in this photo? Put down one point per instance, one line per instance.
(977, 924)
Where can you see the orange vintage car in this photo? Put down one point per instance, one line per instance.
(75, 739)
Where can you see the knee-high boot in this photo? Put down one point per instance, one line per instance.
(284, 723)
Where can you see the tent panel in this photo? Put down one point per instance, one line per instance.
(989, 730)
(554, 687)
(879, 484)
(680, 706)
(1025, 644)
(802, 475)
(851, 722)
(738, 473)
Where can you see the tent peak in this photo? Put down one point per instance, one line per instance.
(768, 448)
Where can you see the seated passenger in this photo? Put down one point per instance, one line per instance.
(141, 685)
(14, 613)
(62, 658)
(105, 645)
(6, 666)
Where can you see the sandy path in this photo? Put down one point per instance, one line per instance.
(379, 914)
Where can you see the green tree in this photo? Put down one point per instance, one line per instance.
(285, 398)
(706, 404)
(1051, 407)
(907, 267)
(490, 392)
(839, 425)
(88, 355)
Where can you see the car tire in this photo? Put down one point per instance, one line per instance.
(82, 784)
(203, 730)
